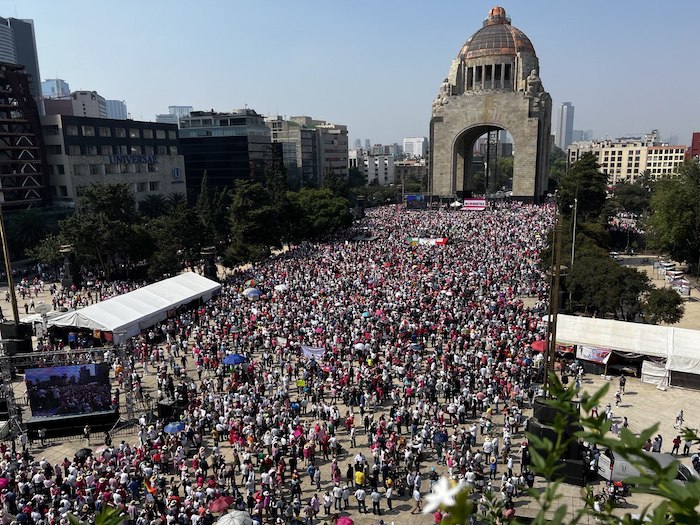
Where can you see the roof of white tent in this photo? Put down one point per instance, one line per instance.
(134, 311)
(678, 345)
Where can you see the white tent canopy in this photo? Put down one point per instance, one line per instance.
(126, 315)
(678, 346)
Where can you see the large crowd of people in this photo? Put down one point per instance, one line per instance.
(371, 368)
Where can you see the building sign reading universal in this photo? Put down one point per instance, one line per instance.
(133, 159)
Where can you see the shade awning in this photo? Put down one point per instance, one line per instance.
(126, 315)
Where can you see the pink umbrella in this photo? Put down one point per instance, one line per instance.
(3, 483)
(345, 520)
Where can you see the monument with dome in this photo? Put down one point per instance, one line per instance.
(493, 84)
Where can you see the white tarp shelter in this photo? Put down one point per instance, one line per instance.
(126, 315)
(679, 348)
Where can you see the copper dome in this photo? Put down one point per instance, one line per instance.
(497, 37)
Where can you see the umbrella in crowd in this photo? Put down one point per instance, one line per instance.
(345, 520)
(440, 437)
(220, 504)
(83, 453)
(174, 427)
(282, 287)
(539, 346)
(235, 517)
(252, 293)
(3, 483)
(234, 359)
(250, 283)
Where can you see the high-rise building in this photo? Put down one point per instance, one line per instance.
(624, 159)
(55, 88)
(18, 46)
(357, 144)
(174, 114)
(367, 143)
(378, 169)
(89, 104)
(225, 146)
(85, 150)
(300, 150)
(116, 109)
(415, 147)
(565, 125)
(332, 147)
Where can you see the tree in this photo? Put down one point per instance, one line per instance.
(47, 250)
(504, 173)
(178, 239)
(25, 229)
(675, 218)
(254, 222)
(319, 214)
(663, 305)
(357, 178)
(634, 198)
(153, 206)
(177, 198)
(586, 183)
(557, 167)
(102, 230)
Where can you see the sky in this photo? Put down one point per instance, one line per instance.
(373, 65)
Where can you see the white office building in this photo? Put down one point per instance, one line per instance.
(415, 147)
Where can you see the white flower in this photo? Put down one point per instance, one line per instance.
(441, 496)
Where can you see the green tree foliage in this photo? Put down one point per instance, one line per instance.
(178, 239)
(356, 178)
(557, 167)
(504, 174)
(335, 182)
(584, 181)
(212, 212)
(254, 221)
(177, 198)
(26, 228)
(153, 206)
(675, 218)
(633, 198)
(663, 305)
(602, 286)
(47, 250)
(319, 213)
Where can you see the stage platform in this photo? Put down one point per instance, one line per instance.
(72, 424)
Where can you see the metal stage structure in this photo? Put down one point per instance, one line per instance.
(23, 166)
(58, 358)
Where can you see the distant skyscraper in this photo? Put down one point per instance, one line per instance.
(89, 104)
(358, 144)
(20, 35)
(576, 135)
(116, 109)
(55, 87)
(415, 146)
(565, 125)
(368, 144)
(174, 114)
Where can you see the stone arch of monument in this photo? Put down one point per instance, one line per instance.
(492, 84)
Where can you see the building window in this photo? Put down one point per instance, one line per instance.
(153, 186)
(172, 135)
(54, 149)
(135, 150)
(105, 150)
(120, 133)
(105, 132)
(72, 130)
(73, 149)
(96, 169)
(50, 130)
(153, 168)
(148, 133)
(88, 131)
(162, 150)
(79, 169)
(61, 169)
(160, 134)
(172, 150)
(91, 149)
(112, 169)
(122, 149)
(141, 186)
(148, 150)
(134, 134)
(63, 191)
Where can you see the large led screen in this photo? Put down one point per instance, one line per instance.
(68, 390)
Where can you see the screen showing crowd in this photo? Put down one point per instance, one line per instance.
(67, 390)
